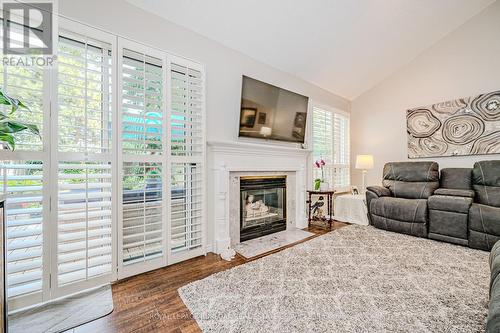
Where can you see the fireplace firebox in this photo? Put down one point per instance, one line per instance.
(262, 206)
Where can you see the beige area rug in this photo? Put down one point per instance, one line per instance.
(355, 279)
(63, 314)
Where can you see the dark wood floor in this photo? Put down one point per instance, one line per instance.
(150, 303)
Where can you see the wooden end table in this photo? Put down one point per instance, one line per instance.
(312, 209)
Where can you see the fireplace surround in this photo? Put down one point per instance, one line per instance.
(231, 161)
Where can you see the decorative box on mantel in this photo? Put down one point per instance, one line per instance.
(229, 161)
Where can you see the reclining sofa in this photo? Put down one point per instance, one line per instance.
(460, 206)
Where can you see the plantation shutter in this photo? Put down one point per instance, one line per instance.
(22, 182)
(25, 83)
(331, 143)
(22, 174)
(341, 150)
(84, 216)
(84, 95)
(186, 111)
(84, 170)
(143, 203)
(188, 151)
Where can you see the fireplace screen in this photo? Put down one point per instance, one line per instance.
(263, 206)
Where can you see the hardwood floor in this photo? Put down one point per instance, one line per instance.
(150, 303)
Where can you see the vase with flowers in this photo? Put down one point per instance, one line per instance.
(320, 183)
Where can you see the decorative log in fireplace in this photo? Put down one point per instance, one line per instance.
(262, 206)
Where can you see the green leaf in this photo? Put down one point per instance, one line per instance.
(11, 126)
(14, 103)
(9, 139)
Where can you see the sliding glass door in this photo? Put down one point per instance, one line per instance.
(82, 166)
(115, 184)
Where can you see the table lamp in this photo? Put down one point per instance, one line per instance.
(365, 163)
(266, 131)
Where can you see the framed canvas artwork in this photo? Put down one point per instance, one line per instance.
(465, 126)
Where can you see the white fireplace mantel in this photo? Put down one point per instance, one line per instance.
(228, 158)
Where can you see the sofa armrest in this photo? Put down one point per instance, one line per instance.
(454, 192)
(494, 263)
(380, 191)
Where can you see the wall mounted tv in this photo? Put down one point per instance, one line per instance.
(272, 113)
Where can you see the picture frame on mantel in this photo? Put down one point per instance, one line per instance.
(248, 116)
(461, 127)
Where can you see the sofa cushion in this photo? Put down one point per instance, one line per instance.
(403, 227)
(484, 219)
(454, 192)
(449, 224)
(450, 203)
(456, 178)
(486, 182)
(411, 180)
(406, 210)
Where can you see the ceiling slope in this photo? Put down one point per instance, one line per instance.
(344, 46)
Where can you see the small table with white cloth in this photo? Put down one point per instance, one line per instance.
(351, 208)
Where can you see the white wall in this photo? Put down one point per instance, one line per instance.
(224, 66)
(465, 63)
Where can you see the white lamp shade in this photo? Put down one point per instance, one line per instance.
(364, 162)
(266, 131)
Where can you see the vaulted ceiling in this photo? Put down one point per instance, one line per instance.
(344, 46)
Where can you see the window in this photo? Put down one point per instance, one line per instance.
(115, 185)
(23, 175)
(143, 159)
(22, 182)
(84, 160)
(187, 154)
(331, 143)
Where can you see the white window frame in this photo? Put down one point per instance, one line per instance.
(334, 111)
(56, 157)
(201, 160)
(134, 269)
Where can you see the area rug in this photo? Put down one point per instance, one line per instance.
(63, 314)
(258, 246)
(354, 279)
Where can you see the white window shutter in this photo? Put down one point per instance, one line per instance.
(143, 205)
(84, 95)
(187, 206)
(142, 212)
(331, 143)
(84, 221)
(22, 182)
(25, 83)
(187, 183)
(84, 160)
(142, 104)
(186, 111)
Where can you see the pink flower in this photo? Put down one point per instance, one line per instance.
(322, 162)
(317, 164)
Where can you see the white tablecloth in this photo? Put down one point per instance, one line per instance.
(351, 208)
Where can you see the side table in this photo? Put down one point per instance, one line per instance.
(351, 208)
(315, 211)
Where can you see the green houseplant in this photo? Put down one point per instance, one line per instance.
(10, 126)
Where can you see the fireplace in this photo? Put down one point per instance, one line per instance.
(262, 206)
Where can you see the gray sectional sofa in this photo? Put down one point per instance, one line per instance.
(460, 206)
(493, 321)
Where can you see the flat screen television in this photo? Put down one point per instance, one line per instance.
(272, 113)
